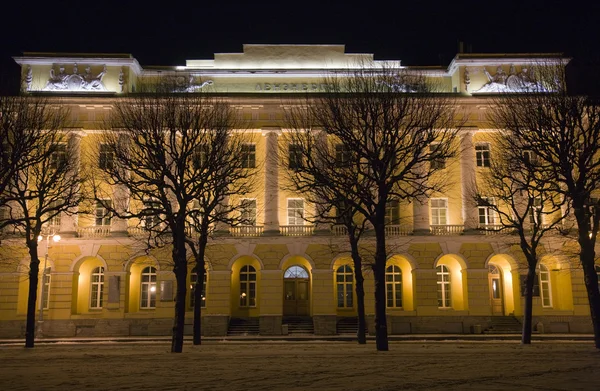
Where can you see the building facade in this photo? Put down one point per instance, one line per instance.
(446, 272)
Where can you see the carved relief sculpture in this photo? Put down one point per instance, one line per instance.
(121, 80)
(467, 79)
(29, 78)
(515, 82)
(75, 81)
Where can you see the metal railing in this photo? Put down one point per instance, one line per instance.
(446, 229)
(98, 231)
(246, 230)
(296, 230)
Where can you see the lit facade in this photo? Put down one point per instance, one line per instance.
(446, 273)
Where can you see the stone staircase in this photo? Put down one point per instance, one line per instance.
(347, 326)
(243, 326)
(504, 325)
(299, 324)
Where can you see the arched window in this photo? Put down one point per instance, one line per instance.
(345, 282)
(545, 289)
(295, 272)
(443, 283)
(97, 288)
(248, 286)
(148, 288)
(494, 281)
(393, 286)
(194, 285)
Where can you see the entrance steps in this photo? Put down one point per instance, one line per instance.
(243, 327)
(299, 324)
(504, 325)
(347, 326)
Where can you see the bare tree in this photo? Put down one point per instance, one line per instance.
(41, 177)
(165, 147)
(394, 124)
(563, 131)
(518, 197)
(321, 171)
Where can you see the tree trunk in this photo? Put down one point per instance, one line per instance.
(180, 270)
(361, 333)
(381, 334)
(200, 276)
(587, 257)
(34, 269)
(528, 310)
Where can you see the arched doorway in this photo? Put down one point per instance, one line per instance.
(496, 294)
(296, 283)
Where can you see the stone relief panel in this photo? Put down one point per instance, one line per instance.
(74, 81)
(513, 82)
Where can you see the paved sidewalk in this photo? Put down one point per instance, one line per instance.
(315, 338)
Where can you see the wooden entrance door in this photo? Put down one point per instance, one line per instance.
(296, 287)
(496, 295)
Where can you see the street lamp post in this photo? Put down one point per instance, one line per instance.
(55, 238)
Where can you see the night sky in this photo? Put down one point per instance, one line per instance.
(416, 32)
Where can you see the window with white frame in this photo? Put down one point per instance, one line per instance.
(46, 282)
(106, 157)
(194, 285)
(393, 286)
(443, 285)
(148, 288)
(151, 216)
(439, 211)
(344, 277)
(97, 288)
(294, 156)
(248, 211)
(482, 154)
(487, 215)
(295, 209)
(247, 286)
(248, 156)
(437, 162)
(103, 215)
(200, 159)
(54, 221)
(392, 212)
(58, 156)
(545, 288)
(535, 213)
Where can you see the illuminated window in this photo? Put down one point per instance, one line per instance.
(392, 212)
(295, 210)
(443, 284)
(439, 211)
(194, 286)
(295, 272)
(248, 211)
(495, 280)
(103, 216)
(344, 278)
(295, 157)
(487, 215)
(545, 288)
(58, 158)
(97, 287)
(148, 288)
(393, 286)
(106, 157)
(248, 156)
(482, 154)
(248, 286)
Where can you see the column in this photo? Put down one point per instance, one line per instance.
(120, 199)
(271, 222)
(468, 183)
(69, 222)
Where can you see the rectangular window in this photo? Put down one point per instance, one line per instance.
(200, 156)
(439, 211)
(482, 154)
(536, 285)
(248, 156)
(295, 157)
(58, 158)
(103, 215)
(6, 154)
(437, 163)
(194, 286)
(392, 212)
(248, 211)
(106, 157)
(97, 282)
(46, 282)
(529, 156)
(535, 212)
(342, 154)
(151, 218)
(295, 211)
(487, 215)
(54, 221)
